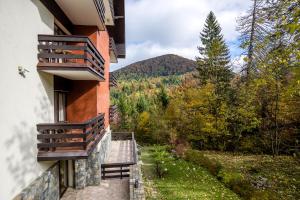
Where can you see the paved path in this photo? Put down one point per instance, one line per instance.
(114, 189)
(120, 152)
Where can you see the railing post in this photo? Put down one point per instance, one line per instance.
(84, 138)
(85, 53)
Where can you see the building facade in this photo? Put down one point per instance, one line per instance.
(54, 87)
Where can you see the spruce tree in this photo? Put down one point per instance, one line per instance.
(214, 59)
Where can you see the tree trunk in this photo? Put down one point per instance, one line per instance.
(251, 42)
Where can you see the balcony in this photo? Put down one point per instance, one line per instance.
(113, 52)
(112, 81)
(70, 56)
(67, 141)
(113, 113)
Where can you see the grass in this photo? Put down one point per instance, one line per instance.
(282, 173)
(183, 181)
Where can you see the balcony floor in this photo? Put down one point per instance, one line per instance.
(120, 152)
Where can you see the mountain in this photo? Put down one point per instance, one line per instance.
(164, 65)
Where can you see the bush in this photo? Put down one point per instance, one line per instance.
(236, 182)
(233, 180)
(161, 158)
(242, 187)
(197, 157)
(263, 195)
(229, 177)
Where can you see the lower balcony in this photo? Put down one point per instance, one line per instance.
(69, 141)
(112, 80)
(70, 56)
(113, 51)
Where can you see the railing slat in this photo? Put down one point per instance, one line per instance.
(65, 56)
(63, 144)
(60, 136)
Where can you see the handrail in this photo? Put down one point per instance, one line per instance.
(66, 125)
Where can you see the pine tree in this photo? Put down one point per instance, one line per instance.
(213, 63)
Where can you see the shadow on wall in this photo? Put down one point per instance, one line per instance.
(21, 146)
(22, 157)
(42, 111)
(45, 15)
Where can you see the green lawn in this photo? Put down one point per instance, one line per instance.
(183, 181)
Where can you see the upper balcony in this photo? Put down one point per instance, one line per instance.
(113, 52)
(67, 141)
(86, 13)
(70, 56)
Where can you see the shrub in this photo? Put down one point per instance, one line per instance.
(263, 195)
(161, 158)
(196, 157)
(229, 177)
(242, 187)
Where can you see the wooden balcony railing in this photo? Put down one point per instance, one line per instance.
(59, 141)
(69, 52)
(113, 113)
(112, 80)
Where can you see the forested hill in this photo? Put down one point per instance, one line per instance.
(158, 66)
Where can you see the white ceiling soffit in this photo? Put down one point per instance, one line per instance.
(74, 75)
(81, 12)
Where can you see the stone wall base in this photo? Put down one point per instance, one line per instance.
(136, 186)
(45, 187)
(88, 171)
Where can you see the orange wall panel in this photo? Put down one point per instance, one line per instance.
(89, 98)
(82, 101)
(103, 97)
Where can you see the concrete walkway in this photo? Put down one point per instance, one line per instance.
(114, 189)
(120, 152)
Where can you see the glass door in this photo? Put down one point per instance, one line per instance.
(60, 105)
(63, 176)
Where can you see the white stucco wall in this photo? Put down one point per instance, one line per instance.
(24, 102)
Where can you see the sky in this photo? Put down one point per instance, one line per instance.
(158, 27)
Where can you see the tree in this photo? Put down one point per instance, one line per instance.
(213, 63)
(142, 104)
(163, 97)
(253, 29)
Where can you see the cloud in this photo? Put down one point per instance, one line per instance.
(156, 27)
